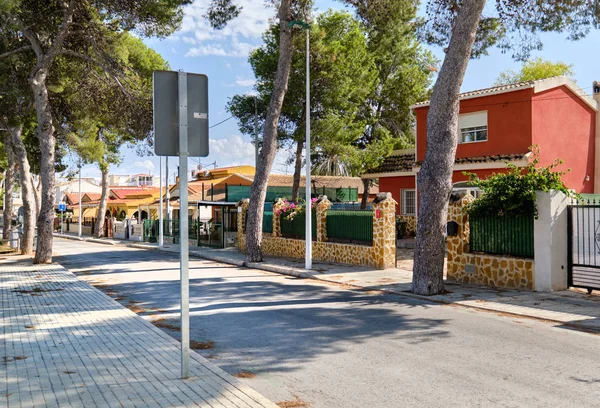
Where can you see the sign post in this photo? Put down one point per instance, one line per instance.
(62, 207)
(183, 226)
(180, 103)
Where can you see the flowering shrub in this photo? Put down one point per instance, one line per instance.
(290, 209)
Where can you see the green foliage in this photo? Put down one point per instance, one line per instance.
(404, 72)
(220, 12)
(102, 115)
(512, 25)
(342, 74)
(512, 194)
(534, 69)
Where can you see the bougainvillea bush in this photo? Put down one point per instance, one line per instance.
(290, 209)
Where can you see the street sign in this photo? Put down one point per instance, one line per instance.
(166, 107)
(62, 207)
(180, 103)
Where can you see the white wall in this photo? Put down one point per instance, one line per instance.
(550, 240)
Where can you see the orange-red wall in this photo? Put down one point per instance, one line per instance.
(394, 185)
(564, 128)
(509, 125)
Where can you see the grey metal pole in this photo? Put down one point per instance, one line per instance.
(80, 207)
(160, 208)
(255, 133)
(168, 193)
(183, 226)
(308, 240)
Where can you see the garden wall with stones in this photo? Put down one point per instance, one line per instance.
(490, 270)
(381, 254)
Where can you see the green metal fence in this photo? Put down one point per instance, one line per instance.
(267, 223)
(502, 235)
(350, 226)
(349, 194)
(296, 228)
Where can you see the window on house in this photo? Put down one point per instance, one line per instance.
(473, 127)
(408, 202)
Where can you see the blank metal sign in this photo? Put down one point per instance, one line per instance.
(166, 113)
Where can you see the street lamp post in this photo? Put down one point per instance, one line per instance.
(79, 203)
(308, 212)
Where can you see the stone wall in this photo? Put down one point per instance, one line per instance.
(381, 254)
(484, 269)
(411, 223)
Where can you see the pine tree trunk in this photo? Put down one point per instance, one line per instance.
(37, 195)
(45, 134)
(20, 157)
(9, 183)
(297, 170)
(269, 148)
(435, 176)
(101, 214)
(366, 191)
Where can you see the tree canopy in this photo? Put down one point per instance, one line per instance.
(533, 69)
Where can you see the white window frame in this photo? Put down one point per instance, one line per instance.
(474, 191)
(404, 200)
(475, 123)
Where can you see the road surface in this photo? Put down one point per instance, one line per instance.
(307, 342)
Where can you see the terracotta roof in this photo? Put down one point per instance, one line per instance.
(124, 192)
(491, 159)
(72, 198)
(539, 85)
(92, 196)
(396, 163)
(406, 162)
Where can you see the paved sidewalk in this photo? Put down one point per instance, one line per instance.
(66, 344)
(568, 308)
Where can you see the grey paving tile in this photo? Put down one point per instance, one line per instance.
(84, 349)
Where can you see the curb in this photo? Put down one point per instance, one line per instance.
(100, 241)
(76, 238)
(71, 237)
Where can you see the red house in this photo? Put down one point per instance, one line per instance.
(499, 124)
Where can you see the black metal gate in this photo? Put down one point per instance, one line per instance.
(584, 246)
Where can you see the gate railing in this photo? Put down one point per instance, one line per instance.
(583, 251)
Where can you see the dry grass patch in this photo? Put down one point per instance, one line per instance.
(163, 324)
(297, 403)
(202, 345)
(244, 374)
(135, 309)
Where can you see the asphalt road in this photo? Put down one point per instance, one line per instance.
(331, 347)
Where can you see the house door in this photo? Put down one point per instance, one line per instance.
(583, 231)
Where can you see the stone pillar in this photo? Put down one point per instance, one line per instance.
(550, 241)
(241, 223)
(276, 220)
(322, 206)
(458, 245)
(384, 231)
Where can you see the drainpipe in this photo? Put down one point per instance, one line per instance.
(596, 92)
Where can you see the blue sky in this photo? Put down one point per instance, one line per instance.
(222, 55)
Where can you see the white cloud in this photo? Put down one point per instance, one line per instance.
(249, 26)
(235, 49)
(205, 50)
(232, 149)
(146, 165)
(240, 81)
